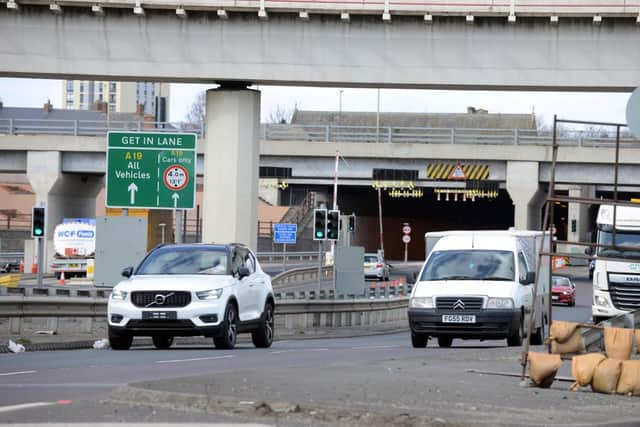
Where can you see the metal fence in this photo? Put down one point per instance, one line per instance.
(332, 133)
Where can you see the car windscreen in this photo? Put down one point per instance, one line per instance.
(371, 259)
(186, 260)
(561, 281)
(470, 265)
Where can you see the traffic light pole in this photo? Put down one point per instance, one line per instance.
(40, 261)
(319, 266)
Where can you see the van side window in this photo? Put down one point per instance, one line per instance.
(522, 266)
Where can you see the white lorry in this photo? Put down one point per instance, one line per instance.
(74, 242)
(616, 283)
(479, 285)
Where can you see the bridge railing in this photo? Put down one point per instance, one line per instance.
(333, 133)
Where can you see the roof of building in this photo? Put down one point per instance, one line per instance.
(473, 119)
(24, 113)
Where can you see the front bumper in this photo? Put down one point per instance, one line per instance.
(602, 305)
(490, 324)
(561, 298)
(124, 317)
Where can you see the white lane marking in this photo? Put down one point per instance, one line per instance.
(6, 374)
(196, 359)
(374, 347)
(317, 349)
(281, 351)
(25, 406)
(60, 385)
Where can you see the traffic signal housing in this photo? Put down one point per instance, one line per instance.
(37, 222)
(319, 224)
(352, 223)
(333, 225)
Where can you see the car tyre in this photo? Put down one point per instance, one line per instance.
(515, 339)
(445, 342)
(162, 341)
(119, 341)
(572, 303)
(419, 340)
(227, 339)
(263, 336)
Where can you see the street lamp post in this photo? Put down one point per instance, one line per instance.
(340, 108)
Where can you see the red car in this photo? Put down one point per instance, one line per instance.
(563, 291)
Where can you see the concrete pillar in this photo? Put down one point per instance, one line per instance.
(578, 217)
(64, 195)
(524, 189)
(231, 154)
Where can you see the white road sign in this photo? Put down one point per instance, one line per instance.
(406, 229)
(406, 238)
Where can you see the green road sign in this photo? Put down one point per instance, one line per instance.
(151, 170)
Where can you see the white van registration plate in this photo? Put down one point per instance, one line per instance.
(458, 318)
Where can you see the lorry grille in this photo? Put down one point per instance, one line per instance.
(459, 303)
(625, 296)
(171, 298)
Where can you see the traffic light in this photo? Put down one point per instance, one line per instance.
(320, 224)
(352, 223)
(333, 225)
(37, 222)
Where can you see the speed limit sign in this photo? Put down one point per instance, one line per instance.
(406, 229)
(406, 238)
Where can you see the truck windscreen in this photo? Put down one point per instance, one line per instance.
(627, 239)
(470, 265)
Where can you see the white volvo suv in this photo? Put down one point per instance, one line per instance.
(211, 290)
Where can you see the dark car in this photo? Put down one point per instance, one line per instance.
(10, 267)
(592, 266)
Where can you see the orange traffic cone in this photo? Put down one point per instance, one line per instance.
(34, 266)
(21, 266)
(61, 281)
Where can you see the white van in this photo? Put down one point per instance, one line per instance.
(478, 285)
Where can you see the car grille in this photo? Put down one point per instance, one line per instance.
(625, 296)
(451, 303)
(160, 324)
(172, 298)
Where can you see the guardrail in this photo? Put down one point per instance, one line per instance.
(301, 276)
(290, 256)
(332, 133)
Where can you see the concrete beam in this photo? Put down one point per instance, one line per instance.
(534, 54)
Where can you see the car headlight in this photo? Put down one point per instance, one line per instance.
(211, 294)
(118, 295)
(500, 303)
(421, 302)
(567, 293)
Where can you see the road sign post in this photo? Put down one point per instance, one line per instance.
(151, 170)
(406, 238)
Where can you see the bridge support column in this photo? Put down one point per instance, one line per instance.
(524, 190)
(578, 220)
(64, 195)
(231, 153)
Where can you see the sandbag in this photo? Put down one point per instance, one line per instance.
(618, 343)
(562, 331)
(583, 367)
(606, 376)
(543, 368)
(575, 344)
(629, 381)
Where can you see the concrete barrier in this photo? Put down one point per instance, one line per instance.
(66, 315)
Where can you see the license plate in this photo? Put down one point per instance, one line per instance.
(555, 297)
(458, 318)
(159, 315)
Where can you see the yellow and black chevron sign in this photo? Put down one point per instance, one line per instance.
(442, 171)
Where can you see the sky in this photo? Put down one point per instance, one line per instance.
(605, 107)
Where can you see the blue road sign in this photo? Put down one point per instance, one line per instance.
(285, 233)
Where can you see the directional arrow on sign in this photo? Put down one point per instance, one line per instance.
(132, 188)
(175, 198)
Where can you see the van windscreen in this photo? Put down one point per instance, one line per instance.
(470, 265)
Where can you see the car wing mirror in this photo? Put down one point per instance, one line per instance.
(588, 251)
(243, 272)
(127, 272)
(530, 278)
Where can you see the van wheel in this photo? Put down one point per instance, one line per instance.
(120, 341)
(537, 338)
(445, 342)
(263, 336)
(419, 340)
(227, 339)
(162, 341)
(515, 339)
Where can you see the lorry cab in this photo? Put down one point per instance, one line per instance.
(475, 285)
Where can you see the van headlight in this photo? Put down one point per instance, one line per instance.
(211, 294)
(119, 295)
(503, 303)
(602, 301)
(421, 302)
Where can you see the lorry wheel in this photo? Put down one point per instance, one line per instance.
(445, 342)
(419, 340)
(515, 339)
(120, 341)
(162, 341)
